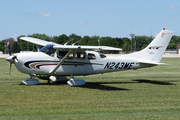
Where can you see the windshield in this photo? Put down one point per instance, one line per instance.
(48, 49)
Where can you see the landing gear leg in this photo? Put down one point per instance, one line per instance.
(72, 76)
(76, 82)
(72, 79)
(48, 82)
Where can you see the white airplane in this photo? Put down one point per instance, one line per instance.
(75, 60)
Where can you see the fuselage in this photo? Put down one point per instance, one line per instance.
(90, 62)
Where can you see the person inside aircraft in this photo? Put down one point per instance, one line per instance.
(80, 55)
(91, 56)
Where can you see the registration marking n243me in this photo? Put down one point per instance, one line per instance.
(118, 65)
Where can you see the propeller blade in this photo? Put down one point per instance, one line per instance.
(10, 69)
(9, 49)
(15, 57)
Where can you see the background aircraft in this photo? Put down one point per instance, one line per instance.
(58, 61)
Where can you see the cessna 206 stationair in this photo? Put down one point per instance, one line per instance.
(74, 60)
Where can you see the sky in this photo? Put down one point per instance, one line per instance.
(113, 18)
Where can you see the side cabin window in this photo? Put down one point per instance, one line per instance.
(61, 54)
(76, 55)
(102, 55)
(48, 49)
(80, 55)
(91, 56)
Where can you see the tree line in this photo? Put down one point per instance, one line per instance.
(138, 42)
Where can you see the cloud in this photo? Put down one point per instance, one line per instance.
(46, 15)
(42, 14)
(173, 6)
(82, 22)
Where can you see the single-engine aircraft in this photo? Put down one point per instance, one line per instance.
(75, 60)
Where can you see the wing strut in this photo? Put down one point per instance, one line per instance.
(37, 47)
(62, 60)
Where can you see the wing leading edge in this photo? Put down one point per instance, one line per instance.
(37, 41)
(80, 47)
(68, 47)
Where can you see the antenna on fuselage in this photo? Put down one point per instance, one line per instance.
(68, 42)
(76, 42)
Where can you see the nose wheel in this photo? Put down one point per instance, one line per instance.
(49, 81)
(31, 81)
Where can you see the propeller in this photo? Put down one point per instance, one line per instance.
(10, 58)
(9, 49)
(10, 69)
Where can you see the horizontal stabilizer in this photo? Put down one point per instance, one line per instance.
(152, 63)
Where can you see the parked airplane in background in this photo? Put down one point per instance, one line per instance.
(75, 60)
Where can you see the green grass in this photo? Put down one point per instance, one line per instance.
(150, 93)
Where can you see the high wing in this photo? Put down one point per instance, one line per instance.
(83, 48)
(67, 47)
(37, 41)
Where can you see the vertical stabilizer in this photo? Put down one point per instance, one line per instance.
(155, 50)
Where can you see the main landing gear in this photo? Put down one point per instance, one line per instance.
(72, 82)
(76, 82)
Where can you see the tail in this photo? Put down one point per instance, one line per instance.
(154, 51)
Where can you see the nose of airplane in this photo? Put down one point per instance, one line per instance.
(10, 58)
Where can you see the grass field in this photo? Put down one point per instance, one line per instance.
(150, 93)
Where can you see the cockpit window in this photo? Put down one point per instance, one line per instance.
(48, 49)
(102, 55)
